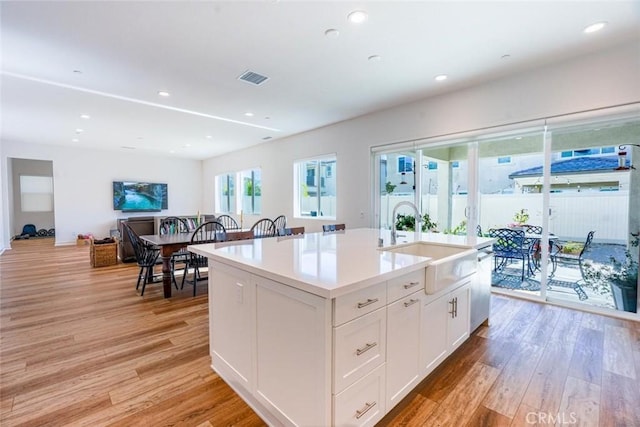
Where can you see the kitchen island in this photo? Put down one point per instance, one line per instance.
(330, 329)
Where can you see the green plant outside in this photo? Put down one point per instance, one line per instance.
(572, 248)
(521, 217)
(408, 223)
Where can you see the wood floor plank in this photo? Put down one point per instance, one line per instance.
(619, 399)
(484, 417)
(506, 394)
(618, 352)
(586, 361)
(458, 407)
(580, 403)
(415, 412)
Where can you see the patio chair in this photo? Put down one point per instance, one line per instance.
(510, 245)
(573, 259)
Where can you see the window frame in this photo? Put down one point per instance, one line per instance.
(325, 167)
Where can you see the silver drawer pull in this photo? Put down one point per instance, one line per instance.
(411, 302)
(366, 409)
(367, 302)
(366, 348)
(411, 285)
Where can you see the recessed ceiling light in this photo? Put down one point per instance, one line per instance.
(357, 16)
(208, 137)
(164, 93)
(518, 137)
(172, 151)
(441, 77)
(595, 27)
(85, 116)
(187, 145)
(332, 33)
(375, 58)
(79, 130)
(248, 114)
(75, 140)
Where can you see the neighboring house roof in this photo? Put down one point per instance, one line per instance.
(575, 165)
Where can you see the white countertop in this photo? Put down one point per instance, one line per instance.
(330, 264)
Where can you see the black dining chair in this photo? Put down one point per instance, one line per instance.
(174, 225)
(510, 245)
(280, 222)
(228, 222)
(209, 232)
(146, 257)
(263, 228)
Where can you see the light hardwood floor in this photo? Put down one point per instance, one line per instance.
(78, 346)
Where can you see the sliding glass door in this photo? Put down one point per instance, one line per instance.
(568, 188)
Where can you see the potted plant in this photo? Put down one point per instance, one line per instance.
(408, 223)
(521, 217)
(620, 279)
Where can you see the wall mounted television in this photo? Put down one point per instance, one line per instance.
(132, 196)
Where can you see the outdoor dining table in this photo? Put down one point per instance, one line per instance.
(168, 244)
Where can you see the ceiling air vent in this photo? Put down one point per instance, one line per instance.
(253, 78)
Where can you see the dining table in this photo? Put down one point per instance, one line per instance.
(168, 244)
(173, 242)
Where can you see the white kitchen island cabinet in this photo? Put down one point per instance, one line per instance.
(327, 330)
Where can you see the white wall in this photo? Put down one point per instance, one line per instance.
(83, 179)
(595, 81)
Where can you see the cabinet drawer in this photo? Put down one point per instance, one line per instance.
(363, 403)
(350, 306)
(404, 285)
(359, 347)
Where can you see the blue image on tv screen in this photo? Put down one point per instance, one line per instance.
(139, 196)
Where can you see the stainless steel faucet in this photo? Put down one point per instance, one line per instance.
(393, 218)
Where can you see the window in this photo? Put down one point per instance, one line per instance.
(36, 193)
(432, 165)
(405, 164)
(455, 164)
(251, 191)
(315, 187)
(504, 160)
(226, 193)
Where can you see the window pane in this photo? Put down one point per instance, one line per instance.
(251, 191)
(316, 180)
(226, 193)
(36, 193)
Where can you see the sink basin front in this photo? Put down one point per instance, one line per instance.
(449, 264)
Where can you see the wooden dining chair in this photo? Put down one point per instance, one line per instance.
(228, 222)
(174, 225)
(209, 232)
(146, 257)
(263, 228)
(280, 222)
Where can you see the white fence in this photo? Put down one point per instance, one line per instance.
(573, 215)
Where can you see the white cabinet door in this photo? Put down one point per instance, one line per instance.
(459, 320)
(231, 320)
(434, 344)
(293, 353)
(403, 347)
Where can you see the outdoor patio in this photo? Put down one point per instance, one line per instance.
(567, 282)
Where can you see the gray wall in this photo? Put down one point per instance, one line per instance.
(41, 220)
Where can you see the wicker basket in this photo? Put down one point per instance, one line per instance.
(103, 254)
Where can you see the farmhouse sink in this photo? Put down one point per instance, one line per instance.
(449, 264)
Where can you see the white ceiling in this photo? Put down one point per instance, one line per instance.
(127, 51)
